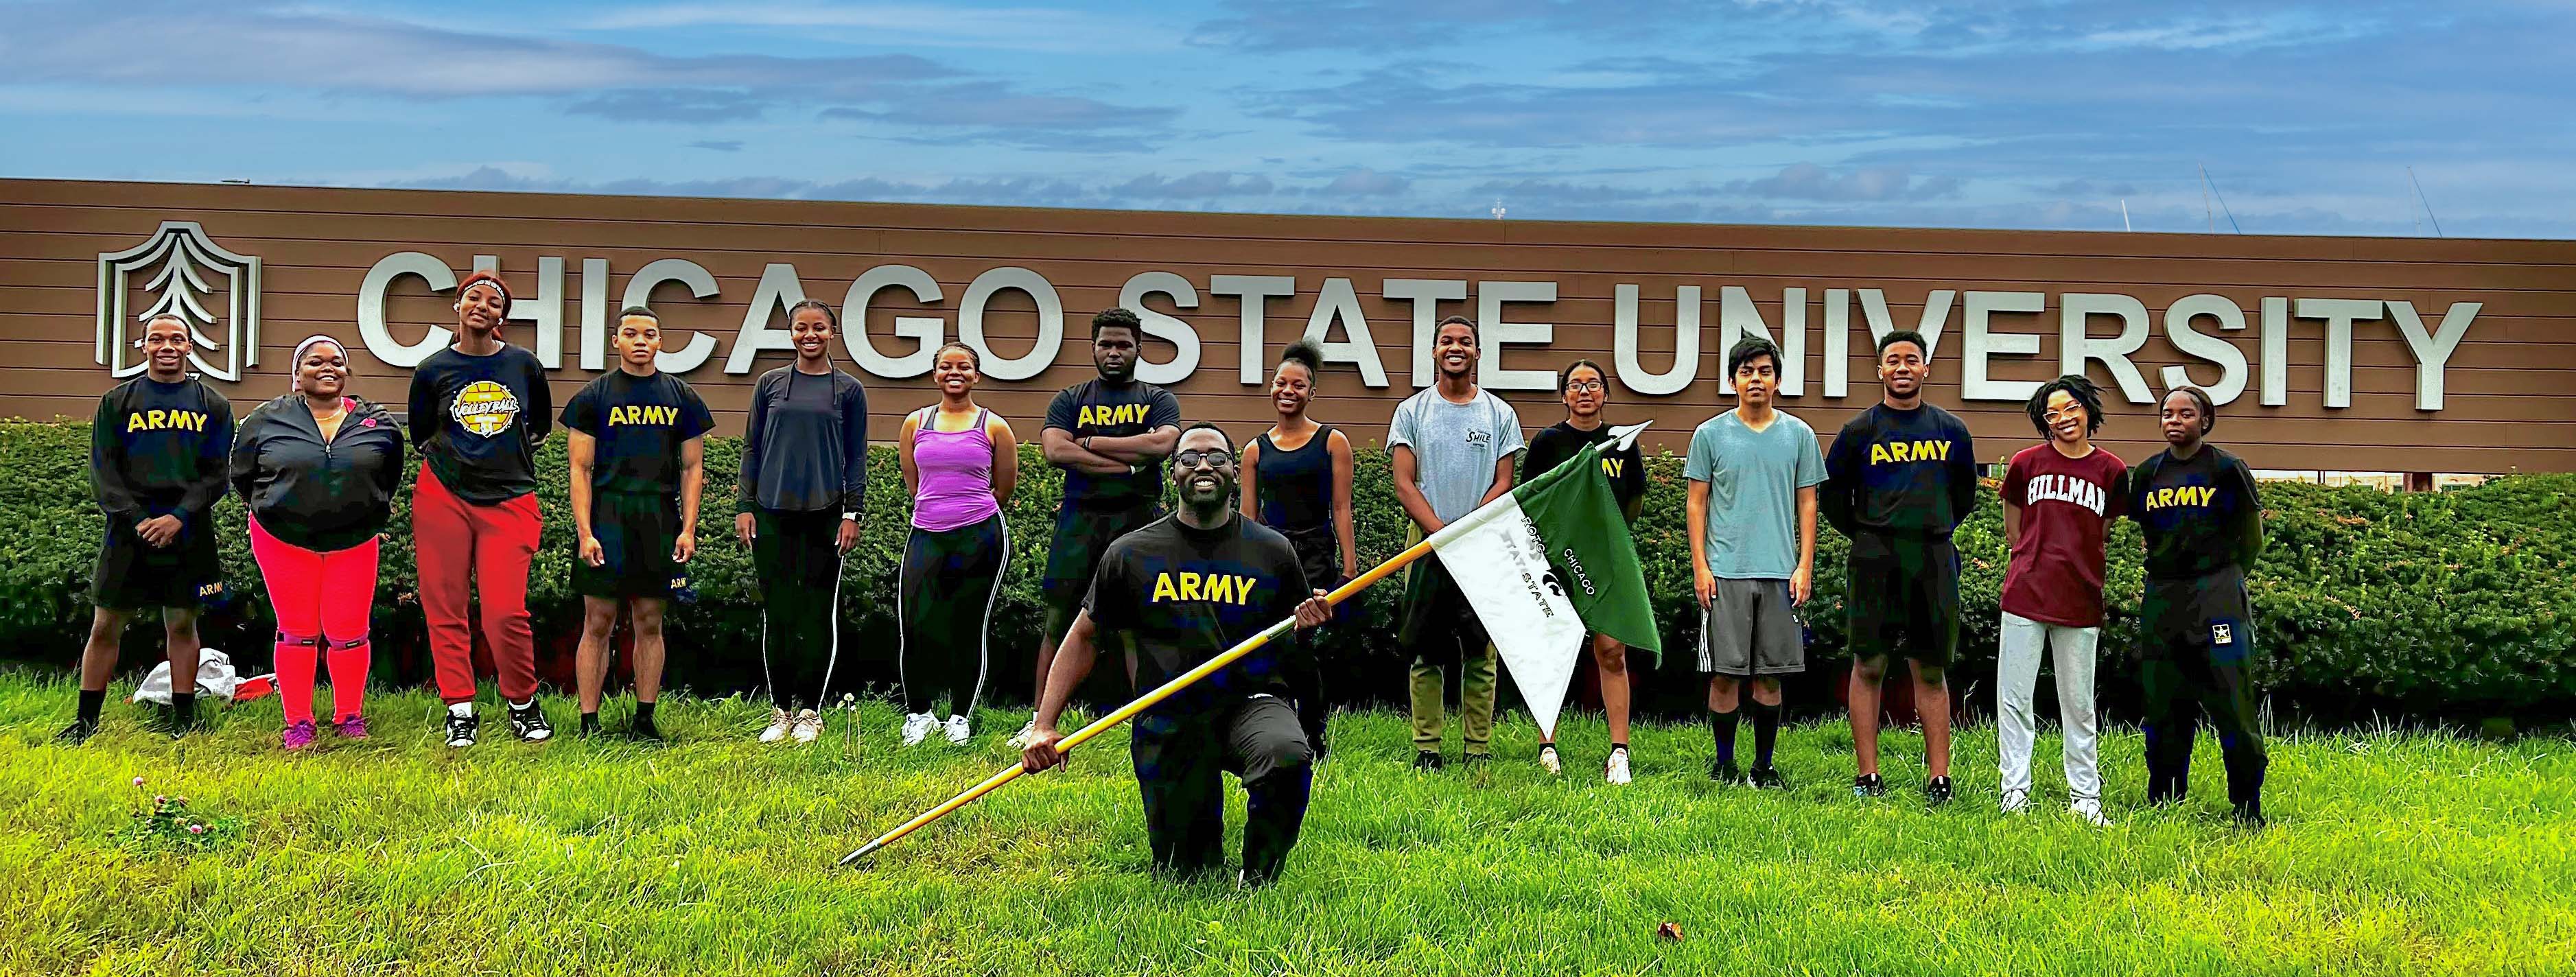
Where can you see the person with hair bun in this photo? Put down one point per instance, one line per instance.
(479, 409)
(2059, 499)
(2204, 525)
(317, 468)
(1296, 478)
(960, 465)
(804, 483)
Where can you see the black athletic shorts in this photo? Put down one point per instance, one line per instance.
(2206, 615)
(1081, 535)
(1903, 591)
(636, 532)
(133, 574)
(1438, 626)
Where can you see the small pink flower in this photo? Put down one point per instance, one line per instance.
(183, 799)
(196, 829)
(138, 781)
(160, 799)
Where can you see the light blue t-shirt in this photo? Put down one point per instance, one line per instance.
(1753, 481)
(1456, 447)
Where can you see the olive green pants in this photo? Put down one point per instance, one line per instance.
(1441, 628)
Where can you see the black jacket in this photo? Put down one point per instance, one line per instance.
(320, 496)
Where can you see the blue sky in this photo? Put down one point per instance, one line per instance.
(1769, 111)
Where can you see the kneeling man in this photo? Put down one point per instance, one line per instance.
(1182, 590)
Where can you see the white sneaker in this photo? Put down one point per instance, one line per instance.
(959, 728)
(2016, 801)
(1020, 740)
(807, 726)
(1547, 759)
(2089, 809)
(1617, 771)
(779, 720)
(917, 727)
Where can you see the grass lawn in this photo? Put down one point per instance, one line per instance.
(2389, 853)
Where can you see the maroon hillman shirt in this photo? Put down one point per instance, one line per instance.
(2067, 505)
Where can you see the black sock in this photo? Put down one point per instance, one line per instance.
(1766, 733)
(643, 712)
(1618, 745)
(91, 703)
(183, 709)
(1721, 727)
(589, 722)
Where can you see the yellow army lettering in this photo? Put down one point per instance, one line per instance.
(2187, 495)
(644, 414)
(1218, 588)
(1909, 451)
(1111, 414)
(1613, 466)
(165, 420)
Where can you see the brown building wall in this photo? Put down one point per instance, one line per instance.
(2510, 386)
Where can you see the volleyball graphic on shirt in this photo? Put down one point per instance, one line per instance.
(484, 407)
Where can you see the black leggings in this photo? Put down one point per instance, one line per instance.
(798, 558)
(950, 581)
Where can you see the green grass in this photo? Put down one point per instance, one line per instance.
(2390, 853)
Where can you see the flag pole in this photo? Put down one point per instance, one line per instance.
(1142, 703)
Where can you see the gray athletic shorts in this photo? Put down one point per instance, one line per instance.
(1750, 629)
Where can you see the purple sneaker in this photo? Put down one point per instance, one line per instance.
(298, 735)
(353, 728)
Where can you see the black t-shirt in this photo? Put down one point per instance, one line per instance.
(2201, 514)
(1897, 472)
(1175, 596)
(160, 449)
(1094, 408)
(641, 424)
(477, 421)
(1561, 440)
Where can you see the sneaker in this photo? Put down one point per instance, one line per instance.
(643, 728)
(529, 724)
(1725, 772)
(1616, 771)
(917, 727)
(2250, 817)
(298, 735)
(352, 728)
(1768, 778)
(589, 725)
(808, 726)
(1869, 786)
(2090, 810)
(1474, 759)
(2017, 801)
(1937, 791)
(779, 720)
(1547, 759)
(1020, 740)
(1426, 760)
(461, 729)
(78, 732)
(958, 729)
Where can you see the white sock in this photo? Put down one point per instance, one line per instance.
(460, 709)
(521, 705)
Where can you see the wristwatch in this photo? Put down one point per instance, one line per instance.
(850, 516)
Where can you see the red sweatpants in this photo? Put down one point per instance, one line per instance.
(322, 602)
(458, 543)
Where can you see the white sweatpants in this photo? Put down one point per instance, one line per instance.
(2016, 677)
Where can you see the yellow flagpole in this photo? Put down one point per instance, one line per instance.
(1142, 703)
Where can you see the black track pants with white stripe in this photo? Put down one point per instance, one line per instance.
(798, 560)
(950, 582)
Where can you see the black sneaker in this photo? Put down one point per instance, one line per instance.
(644, 729)
(529, 724)
(1937, 791)
(1869, 786)
(589, 725)
(2250, 817)
(1768, 778)
(461, 729)
(1425, 760)
(77, 733)
(1724, 772)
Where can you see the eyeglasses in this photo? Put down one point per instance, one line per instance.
(1192, 459)
(2067, 414)
(1586, 386)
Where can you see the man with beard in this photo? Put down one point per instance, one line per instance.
(1900, 478)
(159, 450)
(1174, 594)
(1110, 435)
(1452, 446)
(479, 409)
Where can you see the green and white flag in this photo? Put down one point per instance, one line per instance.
(1547, 563)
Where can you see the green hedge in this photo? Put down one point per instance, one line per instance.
(2460, 602)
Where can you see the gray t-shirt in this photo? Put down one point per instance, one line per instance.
(1753, 481)
(1455, 446)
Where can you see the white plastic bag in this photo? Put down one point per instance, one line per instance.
(215, 679)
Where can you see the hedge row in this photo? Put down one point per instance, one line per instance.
(2461, 602)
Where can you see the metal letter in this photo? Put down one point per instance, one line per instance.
(1171, 329)
(2339, 315)
(1256, 292)
(1977, 342)
(2230, 360)
(1493, 334)
(779, 288)
(545, 311)
(594, 313)
(1738, 315)
(1837, 342)
(1936, 311)
(1624, 342)
(371, 307)
(970, 322)
(2432, 352)
(1426, 295)
(924, 331)
(1339, 301)
(694, 277)
(2276, 352)
(2075, 342)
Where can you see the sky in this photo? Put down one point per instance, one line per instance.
(2305, 116)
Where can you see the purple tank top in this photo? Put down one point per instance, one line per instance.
(955, 474)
